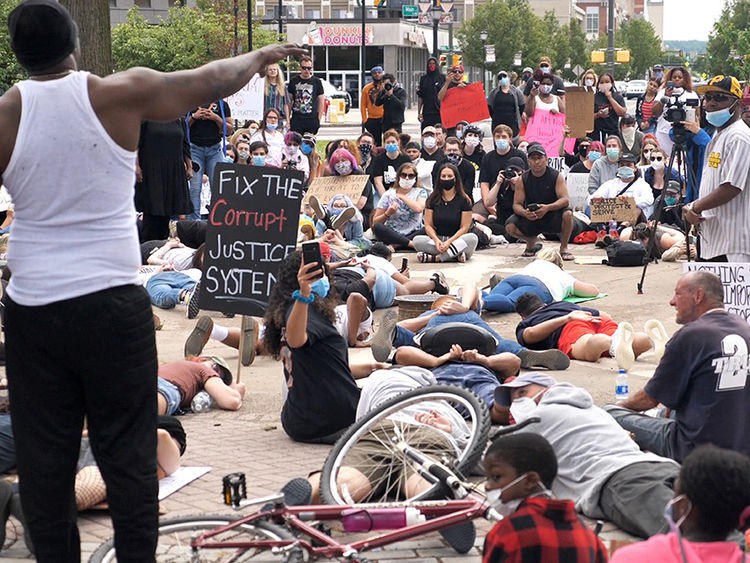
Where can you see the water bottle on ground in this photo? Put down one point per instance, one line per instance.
(201, 402)
(358, 520)
(613, 227)
(621, 386)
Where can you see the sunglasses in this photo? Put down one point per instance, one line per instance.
(717, 97)
(306, 67)
(408, 176)
(457, 71)
(657, 158)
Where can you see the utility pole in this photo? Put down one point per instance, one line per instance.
(249, 25)
(611, 37)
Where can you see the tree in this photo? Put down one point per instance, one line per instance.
(645, 46)
(729, 42)
(92, 17)
(10, 71)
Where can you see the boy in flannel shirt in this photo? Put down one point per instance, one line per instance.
(535, 527)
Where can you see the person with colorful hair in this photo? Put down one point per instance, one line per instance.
(291, 155)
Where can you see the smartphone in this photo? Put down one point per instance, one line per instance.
(670, 84)
(533, 207)
(310, 254)
(404, 264)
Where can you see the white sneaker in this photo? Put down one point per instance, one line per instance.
(672, 254)
(658, 336)
(621, 348)
(498, 239)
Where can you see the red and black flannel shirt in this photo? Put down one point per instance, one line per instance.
(543, 530)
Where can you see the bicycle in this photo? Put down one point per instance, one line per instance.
(290, 533)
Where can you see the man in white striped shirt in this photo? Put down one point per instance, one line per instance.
(723, 207)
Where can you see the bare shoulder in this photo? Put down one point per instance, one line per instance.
(10, 117)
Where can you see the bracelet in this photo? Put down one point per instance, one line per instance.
(301, 298)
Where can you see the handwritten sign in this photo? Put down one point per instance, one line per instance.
(325, 187)
(252, 227)
(546, 128)
(621, 208)
(247, 103)
(579, 108)
(578, 190)
(558, 163)
(735, 277)
(464, 104)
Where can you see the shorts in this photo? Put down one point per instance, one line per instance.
(384, 290)
(574, 330)
(171, 394)
(550, 223)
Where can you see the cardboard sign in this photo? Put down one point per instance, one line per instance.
(252, 227)
(735, 277)
(464, 104)
(579, 108)
(546, 128)
(621, 208)
(247, 103)
(578, 190)
(325, 187)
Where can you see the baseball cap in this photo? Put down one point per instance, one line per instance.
(535, 148)
(515, 162)
(673, 187)
(502, 74)
(527, 69)
(627, 157)
(658, 67)
(429, 130)
(223, 366)
(502, 392)
(724, 84)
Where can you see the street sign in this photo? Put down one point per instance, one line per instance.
(409, 11)
(489, 53)
(424, 7)
(517, 58)
(446, 18)
(446, 6)
(578, 70)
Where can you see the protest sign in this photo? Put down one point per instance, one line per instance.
(558, 163)
(578, 190)
(247, 103)
(546, 128)
(579, 110)
(325, 187)
(464, 104)
(622, 208)
(252, 227)
(735, 277)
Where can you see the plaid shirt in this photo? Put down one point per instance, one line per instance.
(543, 531)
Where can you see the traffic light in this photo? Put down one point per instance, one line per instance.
(597, 57)
(457, 59)
(622, 56)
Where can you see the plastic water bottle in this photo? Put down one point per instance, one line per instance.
(201, 402)
(621, 386)
(612, 226)
(360, 520)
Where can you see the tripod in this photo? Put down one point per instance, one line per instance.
(678, 154)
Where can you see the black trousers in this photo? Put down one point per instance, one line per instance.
(154, 227)
(93, 356)
(375, 128)
(387, 235)
(304, 125)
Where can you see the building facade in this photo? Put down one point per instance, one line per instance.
(151, 9)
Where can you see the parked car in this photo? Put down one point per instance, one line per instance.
(333, 93)
(635, 88)
(621, 86)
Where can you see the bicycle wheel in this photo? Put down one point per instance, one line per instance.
(368, 446)
(175, 536)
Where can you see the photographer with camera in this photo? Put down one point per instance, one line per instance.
(393, 99)
(723, 207)
(676, 93)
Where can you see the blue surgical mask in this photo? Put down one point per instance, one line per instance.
(613, 153)
(391, 147)
(625, 173)
(594, 156)
(544, 69)
(459, 133)
(272, 126)
(670, 200)
(321, 287)
(259, 160)
(720, 117)
(502, 144)
(505, 81)
(306, 149)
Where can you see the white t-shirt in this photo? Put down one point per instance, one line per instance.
(181, 257)
(559, 283)
(424, 173)
(381, 264)
(663, 126)
(342, 322)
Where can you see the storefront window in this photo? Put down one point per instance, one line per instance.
(343, 58)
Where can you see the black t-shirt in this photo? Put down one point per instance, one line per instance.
(492, 163)
(387, 168)
(579, 167)
(304, 94)
(467, 172)
(558, 86)
(429, 86)
(607, 124)
(547, 313)
(504, 109)
(437, 156)
(476, 157)
(205, 132)
(446, 215)
(323, 395)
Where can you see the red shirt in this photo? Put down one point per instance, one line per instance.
(646, 109)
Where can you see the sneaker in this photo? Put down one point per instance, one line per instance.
(672, 254)
(621, 348)
(382, 342)
(199, 336)
(441, 285)
(494, 280)
(191, 301)
(548, 359)
(340, 221)
(460, 537)
(658, 336)
(6, 494)
(297, 492)
(599, 242)
(498, 239)
(249, 328)
(317, 207)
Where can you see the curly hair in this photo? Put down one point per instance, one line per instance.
(281, 300)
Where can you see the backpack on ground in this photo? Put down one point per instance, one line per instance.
(625, 253)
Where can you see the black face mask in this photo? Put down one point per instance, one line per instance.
(447, 184)
(365, 150)
(583, 150)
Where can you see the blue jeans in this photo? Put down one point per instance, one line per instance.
(651, 433)
(165, 288)
(503, 297)
(207, 158)
(171, 395)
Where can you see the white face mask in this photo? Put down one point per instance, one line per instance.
(472, 141)
(406, 182)
(605, 87)
(524, 407)
(505, 508)
(658, 164)
(628, 134)
(588, 82)
(343, 167)
(429, 142)
(291, 150)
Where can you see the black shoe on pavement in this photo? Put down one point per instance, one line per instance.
(548, 359)
(249, 327)
(199, 336)
(441, 285)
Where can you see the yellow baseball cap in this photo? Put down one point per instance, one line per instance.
(724, 84)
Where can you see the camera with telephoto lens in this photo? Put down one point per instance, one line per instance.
(388, 86)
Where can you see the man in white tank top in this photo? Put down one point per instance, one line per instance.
(79, 331)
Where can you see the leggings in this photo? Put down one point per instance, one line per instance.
(386, 234)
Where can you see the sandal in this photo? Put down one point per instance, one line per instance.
(529, 252)
(567, 256)
(425, 257)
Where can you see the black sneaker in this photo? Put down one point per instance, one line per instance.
(441, 285)
(199, 336)
(297, 492)
(548, 359)
(191, 301)
(382, 342)
(460, 537)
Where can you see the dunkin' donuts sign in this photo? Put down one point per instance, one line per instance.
(344, 34)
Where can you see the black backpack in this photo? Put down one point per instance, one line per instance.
(625, 253)
(437, 340)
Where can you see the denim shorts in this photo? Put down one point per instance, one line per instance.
(384, 290)
(171, 394)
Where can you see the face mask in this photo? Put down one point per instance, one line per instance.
(588, 82)
(447, 184)
(544, 69)
(613, 153)
(365, 150)
(292, 150)
(459, 134)
(625, 173)
(505, 81)
(505, 508)
(406, 182)
(523, 407)
(545, 89)
(431, 67)
(669, 515)
(272, 126)
(646, 155)
(502, 144)
(659, 75)
(670, 200)
(720, 117)
(228, 159)
(472, 141)
(605, 87)
(306, 149)
(244, 155)
(253, 131)
(594, 156)
(391, 147)
(628, 133)
(658, 164)
(343, 167)
(321, 287)
(454, 159)
(259, 160)
(429, 142)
